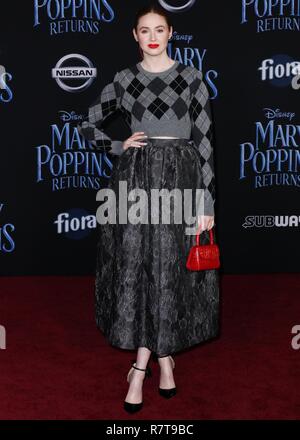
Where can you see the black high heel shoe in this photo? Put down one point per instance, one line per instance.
(167, 393)
(134, 407)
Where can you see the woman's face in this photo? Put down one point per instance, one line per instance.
(152, 34)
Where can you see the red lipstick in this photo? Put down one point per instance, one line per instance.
(153, 46)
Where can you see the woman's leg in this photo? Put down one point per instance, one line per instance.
(166, 372)
(135, 394)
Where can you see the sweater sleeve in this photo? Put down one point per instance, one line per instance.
(201, 118)
(106, 103)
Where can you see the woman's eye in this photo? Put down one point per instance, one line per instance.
(159, 30)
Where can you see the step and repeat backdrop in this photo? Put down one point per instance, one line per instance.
(55, 58)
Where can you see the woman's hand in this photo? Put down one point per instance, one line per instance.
(206, 222)
(133, 141)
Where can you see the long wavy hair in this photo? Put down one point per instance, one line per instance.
(151, 7)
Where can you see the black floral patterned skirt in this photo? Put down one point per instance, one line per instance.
(144, 294)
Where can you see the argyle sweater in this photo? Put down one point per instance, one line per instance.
(174, 102)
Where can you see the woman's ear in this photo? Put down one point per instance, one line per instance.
(134, 35)
(171, 32)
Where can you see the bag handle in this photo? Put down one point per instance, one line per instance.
(211, 238)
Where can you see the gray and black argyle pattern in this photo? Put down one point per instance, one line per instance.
(172, 103)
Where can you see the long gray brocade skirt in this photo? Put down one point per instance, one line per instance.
(144, 294)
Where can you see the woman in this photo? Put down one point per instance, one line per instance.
(146, 298)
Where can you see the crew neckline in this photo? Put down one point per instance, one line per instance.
(141, 68)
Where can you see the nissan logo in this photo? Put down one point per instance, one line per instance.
(68, 74)
(186, 5)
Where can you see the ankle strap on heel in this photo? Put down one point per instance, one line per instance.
(147, 369)
(141, 369)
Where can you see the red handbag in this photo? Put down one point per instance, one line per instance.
(202, 257)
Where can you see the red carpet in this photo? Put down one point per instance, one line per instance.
(57, 365)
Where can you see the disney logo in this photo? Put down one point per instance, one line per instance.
(271, 114)
(66, 117)
(181, 37)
